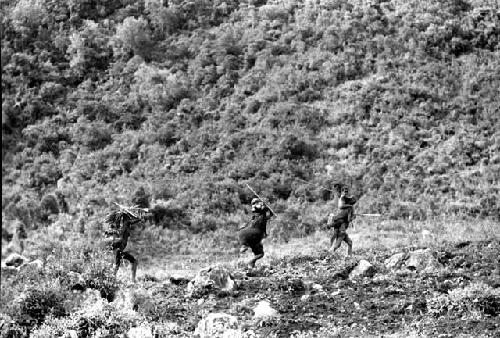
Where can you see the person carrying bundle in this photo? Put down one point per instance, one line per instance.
(120, 223)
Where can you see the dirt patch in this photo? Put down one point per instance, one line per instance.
(389, 302)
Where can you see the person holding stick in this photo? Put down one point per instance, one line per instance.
(251, 235)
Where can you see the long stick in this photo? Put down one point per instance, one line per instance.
(314, 184)
(267, 205)
(369, 215)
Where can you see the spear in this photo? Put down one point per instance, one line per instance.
(369, 215)
(267, 205)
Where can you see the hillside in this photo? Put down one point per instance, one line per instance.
(448, 290)
(190, 100)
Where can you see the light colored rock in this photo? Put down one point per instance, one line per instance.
(363, 269)
(140, 332)
(317, 287)
(127, 298)
(216, 277)
(395, 261)
(218, 325)
(422, 260)
(264, 310)
(71, 334)
(37, 264)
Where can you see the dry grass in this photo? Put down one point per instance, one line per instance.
(367, 234)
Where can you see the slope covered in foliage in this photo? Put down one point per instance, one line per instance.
(190, 100)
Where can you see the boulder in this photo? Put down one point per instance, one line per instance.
(422, 260)
(15, 260)
(363, 269)
(395, 261)
(218, 278)
(264, 310)
(71, 334)
(140, 332)
(37, 264)
(218, 325)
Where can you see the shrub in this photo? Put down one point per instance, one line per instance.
(475, 298)
(134, 34)
(89, 50)
(140, 198)
(28, 15)
(49, 206)
(94, 135)
(293, 147)
(168, 215)
(35, 303)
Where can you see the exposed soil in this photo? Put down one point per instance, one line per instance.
(391, 301)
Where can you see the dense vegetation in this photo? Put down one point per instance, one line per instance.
(186, 101)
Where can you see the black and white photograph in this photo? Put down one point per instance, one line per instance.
(250, 168)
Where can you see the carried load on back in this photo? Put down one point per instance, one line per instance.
(117, 234)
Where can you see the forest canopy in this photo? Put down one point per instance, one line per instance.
(185, 102)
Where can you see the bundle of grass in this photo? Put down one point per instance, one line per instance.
(119, 222)
(123, 214)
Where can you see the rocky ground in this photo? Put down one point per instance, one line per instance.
(448, 291)
(442, 291)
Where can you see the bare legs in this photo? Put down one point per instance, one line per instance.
(125, 255)
(337, 239)
(258, 251)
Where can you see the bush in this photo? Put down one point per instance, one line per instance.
(35, 303)
(140, 198)
(94, 135)
(134, 35)
(470, 300)
(28, 15)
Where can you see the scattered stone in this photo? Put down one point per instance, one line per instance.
(317, 287)
(395, 261)
(15, 260)
(264, 310)
(36, 265)
(71, 334)
(218, 325)
(363, 269)
(140, 332)
(218, 278)
(311, 287)
(126, 298)
(304, 298)
(422, 260)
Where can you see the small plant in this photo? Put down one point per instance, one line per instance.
(35, 303)
(474, 298)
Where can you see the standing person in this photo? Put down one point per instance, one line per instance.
(120, 223)
(341, 221)
(252, 234)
